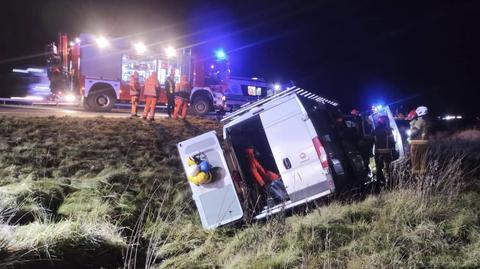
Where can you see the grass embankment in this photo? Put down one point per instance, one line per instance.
(91, 193)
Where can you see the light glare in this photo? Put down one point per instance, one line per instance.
(140, 47)
(170, 51)
(102, 42)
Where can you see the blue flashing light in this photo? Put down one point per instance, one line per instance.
(220, 54)
(377, 108)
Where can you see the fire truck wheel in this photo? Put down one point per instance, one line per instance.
(101, 101)
(201, 105)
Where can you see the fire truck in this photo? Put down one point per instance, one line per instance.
(96, 70)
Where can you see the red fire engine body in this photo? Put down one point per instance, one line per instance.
(98, 71)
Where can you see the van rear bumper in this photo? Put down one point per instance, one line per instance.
(289, 204)
(310, 191)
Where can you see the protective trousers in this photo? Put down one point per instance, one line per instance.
(170, 104)
(418, 150)
(149, 111)
(134, 102)
(382, 160)
(181, 106)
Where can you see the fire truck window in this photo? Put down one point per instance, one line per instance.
(144, 67)
(250, 90)
(165, 67)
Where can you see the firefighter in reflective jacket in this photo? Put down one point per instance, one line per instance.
(268, 180)
(182, 95)
(134, 93)
(170, 92)
(384, 147)
(151, 92)
(419, 131)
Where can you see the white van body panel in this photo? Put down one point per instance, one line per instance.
(217, 202)
(290, 134)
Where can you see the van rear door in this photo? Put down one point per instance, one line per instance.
(217, 202)
(292, 139)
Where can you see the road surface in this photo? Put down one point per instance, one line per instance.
(60, 111)
(75, 111)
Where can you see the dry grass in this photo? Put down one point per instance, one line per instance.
(110, 193)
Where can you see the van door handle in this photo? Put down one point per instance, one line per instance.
(286, 163)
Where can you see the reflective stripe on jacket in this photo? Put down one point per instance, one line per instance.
(169, 86)
(151, 86)
(183, 90)
(134, 86)
(419, 129)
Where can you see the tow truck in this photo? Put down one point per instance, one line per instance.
(96, 70)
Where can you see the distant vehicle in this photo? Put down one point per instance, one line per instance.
(297, 136)
(97, 70)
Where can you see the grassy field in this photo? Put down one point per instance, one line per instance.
(110, 193)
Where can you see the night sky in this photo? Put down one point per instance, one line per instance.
(357, 52)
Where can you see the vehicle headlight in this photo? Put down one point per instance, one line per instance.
(70, 97)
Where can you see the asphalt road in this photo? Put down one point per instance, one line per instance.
(75, 111)
(60, 111)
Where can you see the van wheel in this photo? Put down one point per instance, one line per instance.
(101, 101)
(201, 105)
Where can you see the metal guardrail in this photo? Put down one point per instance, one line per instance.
(7, 101)
(26, 102)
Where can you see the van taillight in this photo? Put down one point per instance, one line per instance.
(322, 155)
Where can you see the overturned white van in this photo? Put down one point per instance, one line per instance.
(296, 136)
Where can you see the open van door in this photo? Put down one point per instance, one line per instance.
(293, 141)
(217, 202)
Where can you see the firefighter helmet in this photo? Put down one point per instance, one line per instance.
(421, 111)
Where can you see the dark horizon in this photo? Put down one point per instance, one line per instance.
(357, 53)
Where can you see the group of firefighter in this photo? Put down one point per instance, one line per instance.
(376, 138)
(178, 95)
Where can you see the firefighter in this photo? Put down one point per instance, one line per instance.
(384, 147)
(56, 82)
(182, 96)
(170, 91)
(134, 93)
(268, 180)
(364, 137)
(151, 92)
(419, 129)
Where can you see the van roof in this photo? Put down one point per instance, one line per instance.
(293, 90)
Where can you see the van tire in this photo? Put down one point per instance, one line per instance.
(101, 100)
(201, 105)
